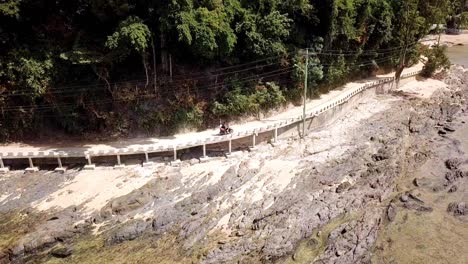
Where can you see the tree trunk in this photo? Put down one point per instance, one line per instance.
(155, 77)
(103, 77)
(398, 73)
(401, 67)
(164, 56)
(170, 67)
(143, 58)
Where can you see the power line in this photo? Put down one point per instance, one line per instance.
(136, 82)
(217, 72)
(250, 78)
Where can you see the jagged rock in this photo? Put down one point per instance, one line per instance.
(438, 188)
(454, 175)
(415, 123)
(442, 132)
(391, 212)
(61, 251)
(417, 207)
(129, 231)
(415, 197)
(126, 203)
(449, 128)
(36, 241)
(382, 154)
(4, 257)
(240, 234)
(457, 209)
(452, 164)
(404, 198)
(452, 189)
(421, 182)
(343, 186)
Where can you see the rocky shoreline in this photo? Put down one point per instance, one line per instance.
(334, 197)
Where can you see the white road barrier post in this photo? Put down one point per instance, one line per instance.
(3, 169)
(60, 167)
(59, 161)
(119, 163)
(175, 162)
(254, 139)
(276, 135)
(31, 166)
(147, 162)
(90, 165)
(204, 158)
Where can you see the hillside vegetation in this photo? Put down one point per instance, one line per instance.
(126, 66)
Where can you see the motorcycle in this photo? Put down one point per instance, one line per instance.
(225, 131)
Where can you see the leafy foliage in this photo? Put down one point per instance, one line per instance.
(33, 74)
(436, 60)
(235, 102)
(207, 32)
(131, 34)
(79, 63)
(10, 8)
(264, 35)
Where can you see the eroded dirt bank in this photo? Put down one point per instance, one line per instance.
(370, 188)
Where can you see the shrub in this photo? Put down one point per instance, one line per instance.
(436, 59)
(191, 116)
(235, 103)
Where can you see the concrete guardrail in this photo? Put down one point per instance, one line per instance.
(159, 148)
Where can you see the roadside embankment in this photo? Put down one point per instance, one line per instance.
(337, 196)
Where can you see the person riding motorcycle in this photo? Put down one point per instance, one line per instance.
(224, 128)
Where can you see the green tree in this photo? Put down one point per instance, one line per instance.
(207, 32)
(263, 35)
(458, 15)
(436, 60)
(410, 27)
(10, 8)
(131, 35)
(24, 71)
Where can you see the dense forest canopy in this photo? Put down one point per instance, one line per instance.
(119, 65)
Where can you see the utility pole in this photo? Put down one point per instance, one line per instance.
(306, 71)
